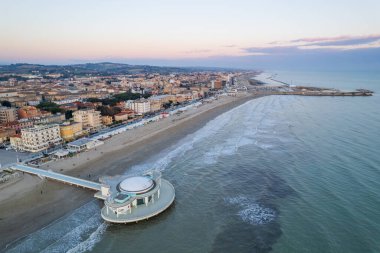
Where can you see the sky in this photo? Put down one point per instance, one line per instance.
(235, 33)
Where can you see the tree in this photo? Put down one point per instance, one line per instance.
(168, 104)
(50, 107)
(108, 111)
(127, 96)
(68, 114)
(6, 103)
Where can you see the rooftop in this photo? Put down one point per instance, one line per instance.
(137, 184)
(143, 212)
(80, 142)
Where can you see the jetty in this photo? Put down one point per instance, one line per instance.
(57, 177)
(331, 93)
(283, 88)
(127, 198)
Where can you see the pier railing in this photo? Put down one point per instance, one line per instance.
(57, 176)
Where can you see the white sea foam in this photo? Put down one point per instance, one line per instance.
(75, 236)
(252, 212)
(90, 242)
(213, 127)
(63, 234)
(249, 124)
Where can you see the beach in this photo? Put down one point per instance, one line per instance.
(32, 203)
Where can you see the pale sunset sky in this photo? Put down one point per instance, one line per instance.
(240, 33)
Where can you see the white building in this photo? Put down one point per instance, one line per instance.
(7, 94)
(141, 106)
(40, 137)
(134, 198)
(83, 144)
(89, 118)
(66, 101)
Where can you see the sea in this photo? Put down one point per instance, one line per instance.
(275, 174)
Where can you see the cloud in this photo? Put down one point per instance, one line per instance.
(319, 44)
(331, 60)
(348, 41)
(271, 50)
(198, 51)
(320, 39)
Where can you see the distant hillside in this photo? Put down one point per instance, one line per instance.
(102, 69)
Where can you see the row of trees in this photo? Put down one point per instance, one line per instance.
(50, 107)
(118, 98)
(54, 108)
(108, 111)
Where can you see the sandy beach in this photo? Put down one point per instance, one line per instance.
(32, 203)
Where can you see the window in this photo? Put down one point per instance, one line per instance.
(140, 202)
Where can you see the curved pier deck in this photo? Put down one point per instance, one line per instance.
(144, 212)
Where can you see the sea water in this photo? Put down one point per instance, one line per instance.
(276, 174)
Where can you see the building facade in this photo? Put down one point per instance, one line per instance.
(71, 131)
(6, 133)
(139, 106)
(7, 114)
(89, 118)
(107, 120)
(16, 142)
(40, 137)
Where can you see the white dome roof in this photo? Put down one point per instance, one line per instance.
(136, 184)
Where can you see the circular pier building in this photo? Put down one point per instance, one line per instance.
(135, 198)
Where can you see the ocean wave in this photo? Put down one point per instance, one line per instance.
(252, 124)
(212, 128)
(64, 233)
(253, 120)
(91, 241)
(252, 212)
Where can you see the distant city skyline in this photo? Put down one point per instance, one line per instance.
(242, 33)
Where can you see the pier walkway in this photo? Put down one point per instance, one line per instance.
(57, 176)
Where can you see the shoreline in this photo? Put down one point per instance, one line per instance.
(32, 200)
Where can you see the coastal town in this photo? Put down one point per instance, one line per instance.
(46, 116)
(51, 114)
(78, 126)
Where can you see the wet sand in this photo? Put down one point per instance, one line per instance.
(35, 203)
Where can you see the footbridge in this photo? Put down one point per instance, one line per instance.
(58, 177)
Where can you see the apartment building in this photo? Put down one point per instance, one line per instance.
(7, 114)
(41, 137)
(70, 131)
(107, 120)
(89, 118)
(16, 142)
(141, 106)
(6, 133)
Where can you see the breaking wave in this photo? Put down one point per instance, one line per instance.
(83, 226)
(90, 242)
(212, 128)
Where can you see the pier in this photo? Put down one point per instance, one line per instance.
(57, 177)
(127, 199)
(324, 93)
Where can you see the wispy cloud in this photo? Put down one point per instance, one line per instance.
(347, 41)
(270, 50)
(340, 43)
(198, 51)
